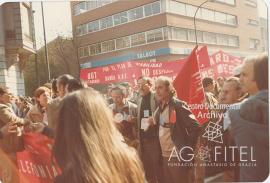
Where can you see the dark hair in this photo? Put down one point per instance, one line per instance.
(75, 84)
(54, 86)
(207, 81)
(3, 90)
(261, 72)
(64, 79)
(39, 91)
(120, 88)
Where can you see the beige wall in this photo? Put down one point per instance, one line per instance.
(241, 10)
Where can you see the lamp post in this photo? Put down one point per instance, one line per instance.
(45, 44)
(194, 18)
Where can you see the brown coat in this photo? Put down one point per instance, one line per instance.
(11, 143)
(53, 111)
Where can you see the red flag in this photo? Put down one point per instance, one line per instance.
(188, 84)
(203, 58)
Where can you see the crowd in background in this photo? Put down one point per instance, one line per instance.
(129, 134)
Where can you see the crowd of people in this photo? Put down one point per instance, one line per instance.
(131, 134)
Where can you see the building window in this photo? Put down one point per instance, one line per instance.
(208, 15)
(190, 11)
(80, 8)
(203, 13)
(93, 26)
(26, 23)
(81, 29)
(89, 5)
(251, 3)
(135, 14)
(106, 22)
(192, 38)
(233, 41)
(138, 39)
(222, 40)
(120, 18)
(154, 35)
(254, 44)
(209, 38)
(179, 34)
(164, 33)
(123, 42)
(95, 49)
(83, 52)
(152, 9)
(253, 22)
(220, 17)
(156, 7)
(231, 20)
(178, 8)
(229, 2)
(107, 46)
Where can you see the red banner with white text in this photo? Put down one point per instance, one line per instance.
(216, 65)
(130, 71)
(35, 162)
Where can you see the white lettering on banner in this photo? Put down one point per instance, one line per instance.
(146, 72)
(208, 73)
(121, 76)
(226, 58)
(105, 69)
(158, 72)
(121, 66)
(37, 170)
(218, 58)
(110, 78)
(146, 54)
(148, 65)
(212, 62)
(92, 75)
(93, 81)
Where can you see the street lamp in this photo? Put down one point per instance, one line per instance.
(45, 44)
(194, 18)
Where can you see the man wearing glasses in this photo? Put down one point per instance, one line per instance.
(10, 133)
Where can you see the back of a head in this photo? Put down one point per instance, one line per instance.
(54, 86)
(207, 81)
(261, 71)
(75, 84)
(86, 138)
(3, 90)
(64, 79)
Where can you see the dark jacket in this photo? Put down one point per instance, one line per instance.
(185, 131)
(153, 106)
(249, 126)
